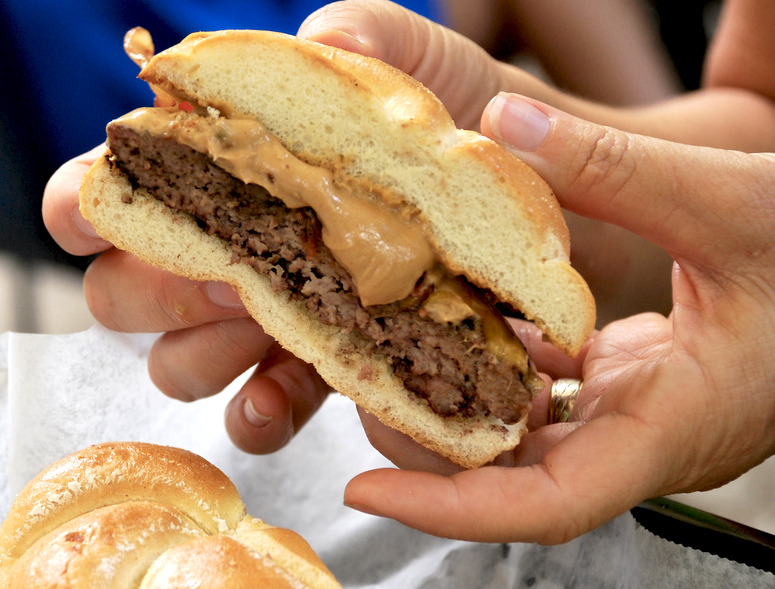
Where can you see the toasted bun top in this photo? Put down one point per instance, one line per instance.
(489, 215)
(133, 514)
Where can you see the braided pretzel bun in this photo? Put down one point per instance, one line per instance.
(147, 516)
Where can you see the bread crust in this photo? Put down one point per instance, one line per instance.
(116, 514)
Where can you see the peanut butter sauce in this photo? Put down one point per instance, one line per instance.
(384, 251)
(138, 45)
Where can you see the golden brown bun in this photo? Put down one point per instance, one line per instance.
(140, 515)
(490, 216)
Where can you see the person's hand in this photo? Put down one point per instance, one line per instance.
(208, 340)
(668, 405)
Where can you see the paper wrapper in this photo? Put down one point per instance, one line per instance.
(61, 393)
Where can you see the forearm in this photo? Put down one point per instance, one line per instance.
(735, 109)
(721, 117)
(727, 118)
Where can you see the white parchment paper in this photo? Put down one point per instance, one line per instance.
(61, 393)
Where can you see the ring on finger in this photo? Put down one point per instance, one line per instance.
(562, 399)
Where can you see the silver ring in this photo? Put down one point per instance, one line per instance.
(562, 398)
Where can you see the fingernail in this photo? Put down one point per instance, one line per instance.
(518, 123)
(253, 417)
(223, 295)
(83, 225)
(343, 40)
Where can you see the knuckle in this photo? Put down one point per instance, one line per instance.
(126, 295)
(169, 377)
(751, 207)
(99, 299)
(606, 165)
(176, 301)
(239, 342)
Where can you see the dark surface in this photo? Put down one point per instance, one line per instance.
(703, 531)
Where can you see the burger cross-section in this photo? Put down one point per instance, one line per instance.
(356, 234)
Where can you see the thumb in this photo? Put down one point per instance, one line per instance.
(675, 195)
(454, 68)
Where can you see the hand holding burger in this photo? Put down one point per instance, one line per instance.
(669, 404)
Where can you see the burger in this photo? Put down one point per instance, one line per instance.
(361, 228)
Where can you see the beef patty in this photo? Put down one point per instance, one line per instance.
(447, 364)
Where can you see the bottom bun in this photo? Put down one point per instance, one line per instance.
(130, 514)
(162, 237)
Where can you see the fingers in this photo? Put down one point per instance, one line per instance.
(592, 475)
(125, 294)
(197, 362)
(401, 450)
(547, 357)
(275, 403)
(458, 71)
(60, 211)
(674, 195)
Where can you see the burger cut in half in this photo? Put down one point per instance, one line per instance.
(361, 228)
